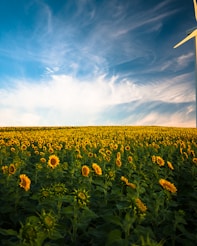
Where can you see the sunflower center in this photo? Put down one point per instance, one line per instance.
(23, 183)
(53, 161)
(49, 221)
(82, 196)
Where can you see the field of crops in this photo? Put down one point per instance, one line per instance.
(98, 186)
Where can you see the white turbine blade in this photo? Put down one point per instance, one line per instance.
(191, 35)
(195, 8)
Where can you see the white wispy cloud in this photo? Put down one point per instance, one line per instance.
(61, 41)
(64, 100)
(145, 17)
(183, 60)
(175, 119)
(172, 64)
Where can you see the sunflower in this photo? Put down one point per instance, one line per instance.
(53, 161)
(118, 155)
(97, 169)
(118, 162)
(127, 147)
(107, 158)
(48, 221)
(42, 153)
(51, 150)
(29, 232)
(133, 186)
(25, 182)
(42, 159)
(59, 189)
(108, 152)
(170, 165)
(90, 154)
(141, 206)
(168, 185)
(153, 158)
(160, 161)
(45, 193)
(81, 197)
(36, 152)
(124, 179)
(23, 147)
(44, 148)
(194, 160)
(192, 153)
(85, 170)
(185, 154)
(111, 174)
(130, 159)
(79, 156)
(12, 169)
(4, 169)
(115, 147)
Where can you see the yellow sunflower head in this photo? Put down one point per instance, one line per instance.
(167, 185)
(25, 182)
(42, 159)
(170, 165)
(115, 146)
(108, 152)
(23, 147)
(160, 161)
(194, 160)
(124, 179)
(11, 169)
(118, 155)
(133, 186)
(90, 154)
(118, 162)
(53, 161)
(97, 169)
(4, 169)
(12, 149)
(130, 159)
(153, 158)
(141, 206)
(127, 147)
(85, 170)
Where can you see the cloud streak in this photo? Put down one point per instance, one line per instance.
(59, 41)
(65, 100)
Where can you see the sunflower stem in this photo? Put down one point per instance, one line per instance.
(74, 223)
(59, 206)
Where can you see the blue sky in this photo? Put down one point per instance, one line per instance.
(96, 62)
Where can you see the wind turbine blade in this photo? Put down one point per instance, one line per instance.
(191, 35)
(195, 8)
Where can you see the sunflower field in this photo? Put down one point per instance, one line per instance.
(118, 185)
